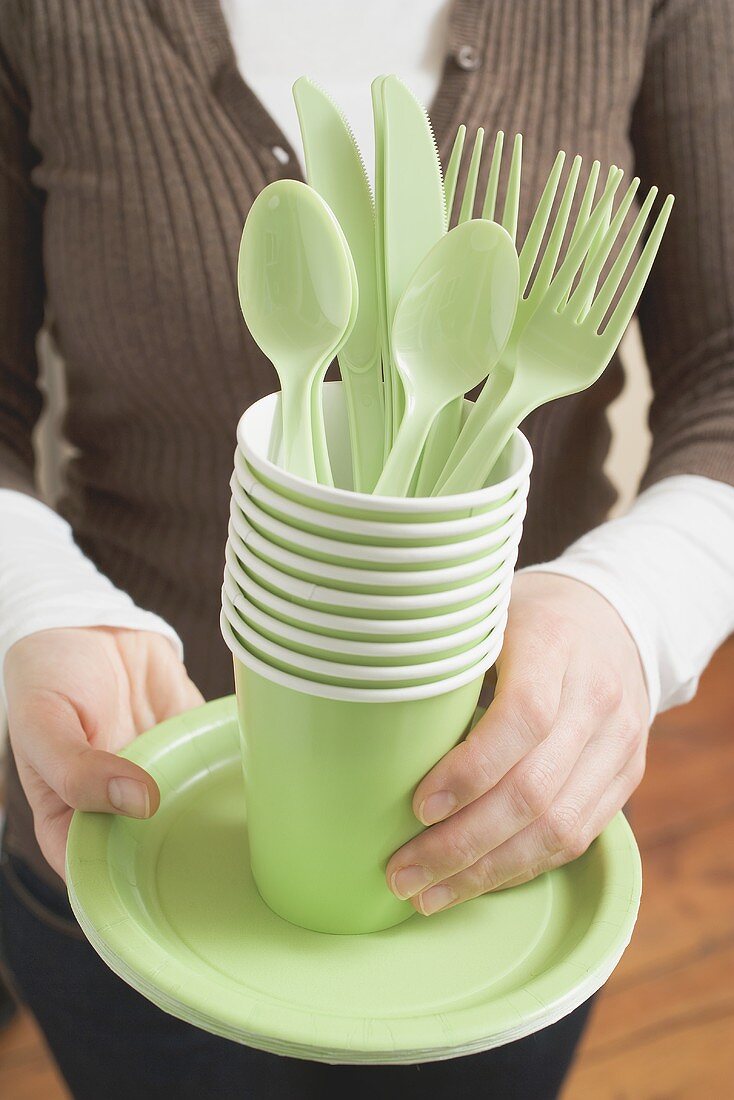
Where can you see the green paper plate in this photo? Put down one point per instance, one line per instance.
(171, 907)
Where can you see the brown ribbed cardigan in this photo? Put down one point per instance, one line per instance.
(130, 151)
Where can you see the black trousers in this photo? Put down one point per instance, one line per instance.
(112, 1044)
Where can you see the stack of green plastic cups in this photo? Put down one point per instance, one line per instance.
(361, 629)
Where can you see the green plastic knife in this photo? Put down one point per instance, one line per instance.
(387, 371)
(335, 169)
(414, 207)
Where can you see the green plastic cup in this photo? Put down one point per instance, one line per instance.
(329, 781)
(374, 581)
(358, 675)
(355, 555)
(371, 532)
(367, 605)
(257, 437)
(436, 628)
(377, 654)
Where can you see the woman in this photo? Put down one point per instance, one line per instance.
(132, 147)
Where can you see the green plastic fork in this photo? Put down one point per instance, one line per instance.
(564, 349)
(445, 431)
(500, 380)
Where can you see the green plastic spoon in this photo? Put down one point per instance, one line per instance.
(318, 425)
(450, 327)
(336, 170)
(296, 282)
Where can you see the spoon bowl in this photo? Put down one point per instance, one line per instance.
(450, 327)
(295, 278)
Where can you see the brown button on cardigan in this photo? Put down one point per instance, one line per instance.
(130, 151)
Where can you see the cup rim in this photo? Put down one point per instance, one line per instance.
(372, 578)
(370, 502)
(327, 620)
(337, 597)
(361, 552)
(480, 630)
(261, 493)
(364, 673)
(355, 695)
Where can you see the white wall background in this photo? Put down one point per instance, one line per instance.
(628, 418)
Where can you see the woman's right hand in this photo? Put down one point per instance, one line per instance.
(75, 697)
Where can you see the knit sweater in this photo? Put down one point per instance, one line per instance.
(130, 151)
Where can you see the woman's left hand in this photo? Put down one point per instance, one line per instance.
(557, 754)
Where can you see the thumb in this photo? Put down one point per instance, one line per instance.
(51, 737)
(98, 781)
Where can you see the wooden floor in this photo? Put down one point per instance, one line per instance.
(664, 1027)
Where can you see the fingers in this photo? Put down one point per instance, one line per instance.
(520, 798)
(521, 716)
(72, 696)
(168, 687)
(612, 801)
(558, 752)
(160, 687)
(597, 788)
(619, 793)
(181, 694)
(54, 744)
(52, 832)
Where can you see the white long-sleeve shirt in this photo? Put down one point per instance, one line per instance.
(666, 566)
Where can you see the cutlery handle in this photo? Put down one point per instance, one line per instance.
(366, 412)
(318, 431)
(387, 370)
(398, 402)
(298, 453)
(398, 472)
(490, 398)
(476, 464)
(439, 445)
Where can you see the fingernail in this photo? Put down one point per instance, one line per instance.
(436, 807)
(129, 797)
(409, 881)
(435, 899)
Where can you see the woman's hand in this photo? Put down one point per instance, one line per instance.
(75, 697)
(557, 754)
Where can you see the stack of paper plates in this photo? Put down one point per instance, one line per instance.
(171, 907)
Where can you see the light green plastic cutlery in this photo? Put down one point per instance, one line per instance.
(445, 431)
(451, 175)
(412, 201)
(501, 377)
(335, 169)
(587, 205)
(318, 424)
(499, 381)
(296, 280)
(564, 348)
(387, 371)
(450, 327)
